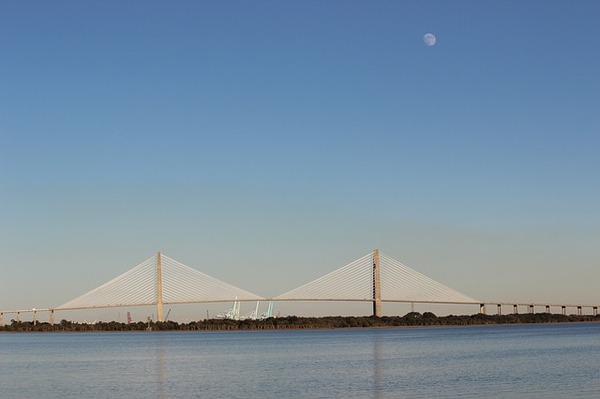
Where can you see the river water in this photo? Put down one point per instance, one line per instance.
(516, 361)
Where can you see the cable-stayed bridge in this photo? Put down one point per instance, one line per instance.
(375, 278)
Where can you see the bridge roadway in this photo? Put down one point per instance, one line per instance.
(530, 307)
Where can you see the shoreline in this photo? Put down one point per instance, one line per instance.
(410, 320)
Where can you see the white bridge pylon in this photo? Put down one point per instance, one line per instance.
(156, 281)
(356, 282)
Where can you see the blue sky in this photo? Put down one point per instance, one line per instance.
(267, 143)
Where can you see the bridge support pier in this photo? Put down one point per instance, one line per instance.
(564, 310)
(595, 309)
(159, 296)
(515, 309)
(531, 310)
(579, 311)
(499, 310)
(548, 309)
(1, 318)
(376, 285)
(482, 308)
(51, 320)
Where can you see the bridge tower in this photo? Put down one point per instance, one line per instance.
(159, 295)
(376, 285)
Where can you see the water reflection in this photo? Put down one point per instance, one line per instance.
(160, 367)
(377, 368)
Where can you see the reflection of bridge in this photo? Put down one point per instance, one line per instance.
(375, 278)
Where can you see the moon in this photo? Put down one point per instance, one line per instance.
(429, 39)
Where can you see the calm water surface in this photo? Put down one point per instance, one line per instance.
(535, 361)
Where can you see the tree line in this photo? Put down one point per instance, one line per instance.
(412, 319)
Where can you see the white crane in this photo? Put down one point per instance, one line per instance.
(232, 313)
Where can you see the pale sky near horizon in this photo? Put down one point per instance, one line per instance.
(267, 143)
